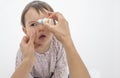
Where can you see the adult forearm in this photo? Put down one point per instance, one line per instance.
(24, 69)
(76, 66)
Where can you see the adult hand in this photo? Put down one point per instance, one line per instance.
(27, 45)
(60, 29)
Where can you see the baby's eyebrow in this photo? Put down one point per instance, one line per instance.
(32, 22)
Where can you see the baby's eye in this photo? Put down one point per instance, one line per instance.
(33, 24)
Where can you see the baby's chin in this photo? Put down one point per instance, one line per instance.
(39, 42)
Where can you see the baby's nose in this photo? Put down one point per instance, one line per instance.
(41, 28)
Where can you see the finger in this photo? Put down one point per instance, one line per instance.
(24, 41)
(60, 16)
(32, 37)
(50, 27)
(57, 16)
(52, 15)
(49, 13)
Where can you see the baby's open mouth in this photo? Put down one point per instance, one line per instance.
(42, 36)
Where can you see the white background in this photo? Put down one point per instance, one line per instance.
(94, 25)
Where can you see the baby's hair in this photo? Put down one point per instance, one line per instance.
(38, 6)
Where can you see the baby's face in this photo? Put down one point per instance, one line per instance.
(43, 35)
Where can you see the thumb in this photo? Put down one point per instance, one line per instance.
(50, 27)
(32, 37)
(24, 41)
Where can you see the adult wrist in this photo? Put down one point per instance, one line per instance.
(66, 40)
(31, 60)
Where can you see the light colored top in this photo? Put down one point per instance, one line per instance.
(51, 62)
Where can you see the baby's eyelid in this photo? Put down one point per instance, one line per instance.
(33, 24)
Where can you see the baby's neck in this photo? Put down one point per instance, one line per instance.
(42, 48)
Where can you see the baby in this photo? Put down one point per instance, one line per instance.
(49, 52)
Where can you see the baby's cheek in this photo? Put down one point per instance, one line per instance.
(31, 31)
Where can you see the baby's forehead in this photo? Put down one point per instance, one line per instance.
(33, 15)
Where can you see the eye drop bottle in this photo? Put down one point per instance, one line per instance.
(45, 20)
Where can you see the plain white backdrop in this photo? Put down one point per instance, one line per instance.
(94, 25)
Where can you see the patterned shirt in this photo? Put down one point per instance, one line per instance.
(51, 64)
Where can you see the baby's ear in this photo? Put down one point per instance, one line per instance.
(24, 30)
